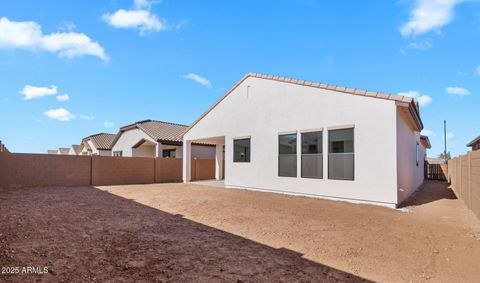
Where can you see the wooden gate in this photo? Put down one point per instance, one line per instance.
(436, 171)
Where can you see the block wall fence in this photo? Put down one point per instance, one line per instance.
(41, 170)
(464, 176)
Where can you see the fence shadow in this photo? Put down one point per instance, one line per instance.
(430, 191)
(85, 234)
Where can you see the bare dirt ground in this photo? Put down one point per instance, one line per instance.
(193, 233)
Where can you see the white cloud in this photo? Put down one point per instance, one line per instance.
(427, 133)
(63, 97)
(143, 4)
(429, 15)
(201, 80)
(455, 90)
(59, 114)
(449, 136)
(423, 100)
(421, 45)
(143, 20)
(107, 124)
(87, 117)
(30, 92)
(29, 36)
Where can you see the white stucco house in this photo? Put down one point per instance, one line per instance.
(98, 144)
(307, 138)
(75, 149)
(151, 138)
(63, 150)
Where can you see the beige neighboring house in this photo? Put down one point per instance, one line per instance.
(63, 150)
(150, 138)
(475, 144)
(75, 149)
(98, 144)
(52, 151)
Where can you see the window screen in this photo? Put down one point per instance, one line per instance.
(241, 150)
(287, 155)
(341, 154)
(312, 157)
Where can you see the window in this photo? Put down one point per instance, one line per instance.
(169, 153)
(287, 155)
(341, 154)
(241, 150)
(118, 153)
(417, 153)
(312, 157)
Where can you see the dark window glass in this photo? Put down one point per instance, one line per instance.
(115, 153)
(341, 155)
(241, 150)
(287, 155)
(169, 153)
(312, 157)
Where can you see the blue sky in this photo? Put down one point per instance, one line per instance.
(69, 69)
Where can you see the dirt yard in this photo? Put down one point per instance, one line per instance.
(194, 233)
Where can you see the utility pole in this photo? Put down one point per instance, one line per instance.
(445, 140)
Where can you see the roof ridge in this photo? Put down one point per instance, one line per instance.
(379, 94)
(164, 122)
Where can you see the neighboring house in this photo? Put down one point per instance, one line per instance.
(150, 138)
(475, 144)
(306, 138)
(54, 151)
(63, 150)
(75, 149)
(3, 148)
(98, 144)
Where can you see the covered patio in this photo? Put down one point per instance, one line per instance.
(219, 143)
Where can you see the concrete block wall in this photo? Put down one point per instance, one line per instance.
(32, 170)
(122, 171)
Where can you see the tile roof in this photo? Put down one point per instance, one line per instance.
(63, 150)
(402, 101)
(160, 131)
(101, 140)
(426, 141)
(474, 141)
(76, 148)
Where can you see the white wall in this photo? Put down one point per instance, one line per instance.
(132, 137)
(145, 151)
(269, 108)
(410, 176)
(129, 139)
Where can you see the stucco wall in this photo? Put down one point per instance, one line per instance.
(262, 109)
(129, 139)
(409, 175)
(132, 137)
(202, 152)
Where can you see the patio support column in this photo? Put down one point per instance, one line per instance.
(187, 149)
(218, 161)
(159, 150)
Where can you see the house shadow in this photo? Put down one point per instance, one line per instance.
(429, 192)
(88, 234)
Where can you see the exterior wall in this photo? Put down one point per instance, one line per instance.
(144, 151)
(168, 170)
(72, 152)
(409, 175)
(262, 109)
(129, 139)
(92, 146)
(39, 170)
(202, 152)
(103, 152)
(132, 137)
(476, 146)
